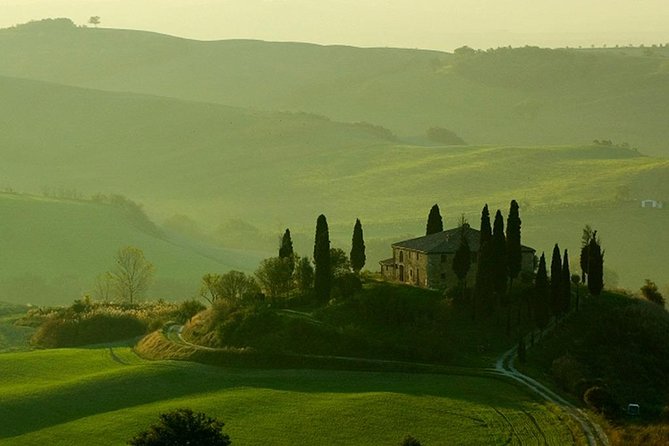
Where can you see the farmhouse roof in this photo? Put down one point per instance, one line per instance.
(446, 242)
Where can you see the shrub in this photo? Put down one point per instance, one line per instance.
(410, 441)
(568, 372)
(183, 427)
(600, 399)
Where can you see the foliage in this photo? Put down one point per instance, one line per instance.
(556, 282)
(188, 309)
(339, 263)
(540, 300)
(410, 441)
(499, 257)
(651, 292)
(595, 266)
(358, 256)
(183, 427)
(286, 248)
(600, 399)
(565, 285)
(434, 221)
(323, 273)
(132, 274)
(304, 275)
(274, 276)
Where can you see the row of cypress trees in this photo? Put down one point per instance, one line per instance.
(322, 260)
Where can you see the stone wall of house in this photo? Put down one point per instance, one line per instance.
(411, 267)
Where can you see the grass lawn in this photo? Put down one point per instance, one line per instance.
(88, 396)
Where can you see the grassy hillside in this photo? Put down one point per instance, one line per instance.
(522, 96)
(52, 250)
(106, 396)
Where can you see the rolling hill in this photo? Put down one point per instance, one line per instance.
(524, 96)
(53, 249)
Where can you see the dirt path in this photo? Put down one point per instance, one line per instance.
(592, 431)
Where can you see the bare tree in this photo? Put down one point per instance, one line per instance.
(132, 275)
(103, 287)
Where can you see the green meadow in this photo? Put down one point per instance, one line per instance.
(105, 395)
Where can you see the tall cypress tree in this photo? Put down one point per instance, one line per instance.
(286, 248)
(499, 256)
(585, 246)
(462, 260)
(484, 281)
(514, 253)
(434, 221)
(556, 281)
(322, 279)
(566, 284)
(541, 306)
(595, 266)
(358, 257)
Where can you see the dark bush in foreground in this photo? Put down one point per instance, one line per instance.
(96, 329)
(183, 427)
(410, 441)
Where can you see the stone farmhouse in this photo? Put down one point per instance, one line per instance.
(427, 261)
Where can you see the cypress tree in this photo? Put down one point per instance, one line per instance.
(434, 221)
(556, 281)
(358, 257)
(499, 257)
(566, 284)
(484, 280)
(286, 248)
(541, 306)
(322, 274)
(595, 266)
(514, 253)
(463, 259)
(585, 246)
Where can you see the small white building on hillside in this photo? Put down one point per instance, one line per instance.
(653, 204)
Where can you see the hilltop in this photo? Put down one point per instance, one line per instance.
(523, 96)
(53, 249)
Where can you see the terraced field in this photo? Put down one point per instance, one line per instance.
(105, 395)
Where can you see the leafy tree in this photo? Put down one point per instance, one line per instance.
(556, 281)
(652, 293)
(188, 309)
(210, 287)
(304, 275)
(462, 260)
(286, 248)
(541, 307)
(514, 253)
(274, 276)
(434, 221)
(358, 256)
(565, 284)
(484, 284)
(94, 20)
(322, 275)
(499, 256)
(132, 274)
(183, 427)
(235, 286)
(595, 266)
(339, 263)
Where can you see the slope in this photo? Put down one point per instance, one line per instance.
(520, 96)
(52, 250)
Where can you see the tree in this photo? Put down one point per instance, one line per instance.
(183, 427)
(576, 280)
(486, 229)
(595, 266)
(499, 255)
(358, 256)
(235, 286)
(651, 292)
(132, 274)
(210, 287)
(339, 263)
(556, 281)
(434, 221)
(94, 20)
(514, 255)
(286, 248)
(322, 274)
(565, 284)
(585, 245)
(103, 287)
(304, 275)
(541, 306)
(484, 283)
(462, 260)
(274, 276)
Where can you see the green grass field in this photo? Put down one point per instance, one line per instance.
(88, 396)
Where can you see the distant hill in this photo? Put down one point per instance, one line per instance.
(53, 249)
(525, 96)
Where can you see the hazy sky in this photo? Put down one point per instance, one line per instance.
(439, 24)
